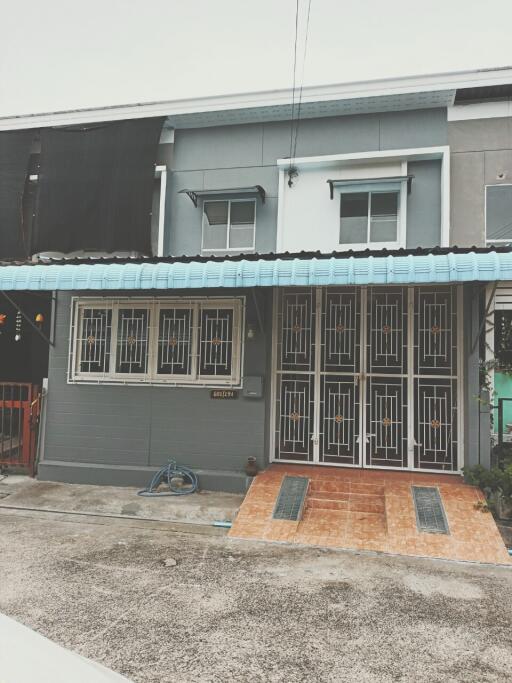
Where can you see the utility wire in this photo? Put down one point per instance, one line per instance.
(294, 78)
(301, 80)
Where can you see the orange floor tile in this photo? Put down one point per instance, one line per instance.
(372, 510)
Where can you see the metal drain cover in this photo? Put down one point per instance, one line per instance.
(290, 500)
(430, 514)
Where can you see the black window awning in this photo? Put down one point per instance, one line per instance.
(342, 182)
(252, 191)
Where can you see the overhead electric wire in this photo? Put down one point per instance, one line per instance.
(301, 81)
(294, 78)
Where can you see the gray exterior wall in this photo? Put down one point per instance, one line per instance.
(119, 435)
(481, 154)
(246, 155)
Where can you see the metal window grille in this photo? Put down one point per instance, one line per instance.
(166, 341)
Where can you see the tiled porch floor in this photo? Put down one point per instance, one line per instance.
(372, 510)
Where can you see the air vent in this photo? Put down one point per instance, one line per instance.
(430, 514)
(290, 501)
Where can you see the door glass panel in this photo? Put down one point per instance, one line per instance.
(296, 329)
(435, 383)
(339, 420)
(387, 330)
(341, 330)
(435, 329)
(339, 383)
(295, 417)
(386, 422)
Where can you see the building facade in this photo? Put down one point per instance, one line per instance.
(314, 301)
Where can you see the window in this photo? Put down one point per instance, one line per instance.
(228, 225)
(498, 210)
(171, 341)
(369, 218)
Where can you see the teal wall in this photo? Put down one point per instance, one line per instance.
(502, 389)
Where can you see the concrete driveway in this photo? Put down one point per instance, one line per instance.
(233, 610)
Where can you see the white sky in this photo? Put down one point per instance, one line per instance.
(65, 54)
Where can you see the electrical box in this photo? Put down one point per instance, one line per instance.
(253, 387)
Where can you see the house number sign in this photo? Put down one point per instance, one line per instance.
(223, 393)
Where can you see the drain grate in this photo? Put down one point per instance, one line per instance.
(290, 500)
(430, 514)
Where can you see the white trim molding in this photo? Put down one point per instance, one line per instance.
(355, 159)
(385, 94)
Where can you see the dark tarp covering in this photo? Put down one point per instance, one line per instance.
(96, 187)
(14, 163)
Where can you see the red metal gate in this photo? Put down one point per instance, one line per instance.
(19, 422)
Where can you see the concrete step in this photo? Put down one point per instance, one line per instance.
(355, 502)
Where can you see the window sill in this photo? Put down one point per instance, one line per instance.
(205, 384)
(374, 246)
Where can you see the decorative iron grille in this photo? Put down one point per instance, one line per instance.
(94, 340)
(132, 340)
(158, 341)
(175, 341)
(368, 376)
(387, 330)
(216, 336)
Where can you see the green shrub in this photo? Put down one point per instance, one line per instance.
(495, 480)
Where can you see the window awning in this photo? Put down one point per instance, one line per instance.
(271, 270)
(253, 191)
(368, 181)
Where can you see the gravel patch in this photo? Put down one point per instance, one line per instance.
(164, 607)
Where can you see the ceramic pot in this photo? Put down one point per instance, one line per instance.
(251, 467)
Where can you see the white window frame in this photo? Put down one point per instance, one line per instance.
(490, 241)
(400, 188)
(228, 249)
(194, 378)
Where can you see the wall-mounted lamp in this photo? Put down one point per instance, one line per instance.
(251, 331)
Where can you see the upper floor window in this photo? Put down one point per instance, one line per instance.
(171, 341)
(369, 218)
(229, 225)
(498, 214)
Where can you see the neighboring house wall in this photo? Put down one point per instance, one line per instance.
(246, 155)
(481, 154)
(119, 435)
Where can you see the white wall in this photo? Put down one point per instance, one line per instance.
(308, 219)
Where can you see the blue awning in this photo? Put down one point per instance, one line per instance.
(452, 267)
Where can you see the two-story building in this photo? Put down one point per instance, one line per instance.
(229, 282)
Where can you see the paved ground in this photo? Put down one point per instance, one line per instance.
(365, 509)
(243, 611)
(204, 507)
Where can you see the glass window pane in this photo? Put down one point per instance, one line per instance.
(132, 341)
(174, 341)
(216, 342)
(94, 341)
(384, 217)
(216, 213)
(354, 218)
(215, 225)
(499, 212)
(241, 237)
(242, 213)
